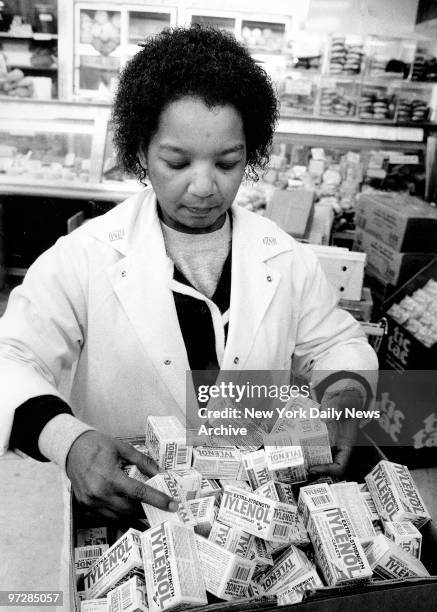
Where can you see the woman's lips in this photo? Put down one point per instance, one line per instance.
(200, 212)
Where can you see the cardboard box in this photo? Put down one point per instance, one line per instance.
(226, 574)
(349, 497)
(388, 560)
(291, 564)
(395, 494)
(315, 498)
(166, 440)
(120, 560)
(292, 211)
(294, 591)
(338, 552)
(233, 539)
(405, 535)
(388, 266)
(402, 222)
(172, 567)
(262, 517)
(128, 597)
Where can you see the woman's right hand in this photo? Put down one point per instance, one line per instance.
(94, 467)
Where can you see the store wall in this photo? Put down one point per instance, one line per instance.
(384, 17)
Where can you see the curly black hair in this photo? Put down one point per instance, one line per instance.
(199, 61)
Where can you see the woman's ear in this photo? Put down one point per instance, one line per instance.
(142, 159)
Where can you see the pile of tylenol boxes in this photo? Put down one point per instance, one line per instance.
(239, 532)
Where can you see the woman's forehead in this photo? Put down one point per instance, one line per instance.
(189, 122)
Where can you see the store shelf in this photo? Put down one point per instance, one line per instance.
(38, 36)
(69, 190)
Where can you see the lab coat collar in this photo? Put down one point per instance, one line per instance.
(142, 281)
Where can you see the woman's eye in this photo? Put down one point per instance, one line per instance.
(227, 165)
(176, 165)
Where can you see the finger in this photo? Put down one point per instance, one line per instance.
(141, 492)
(145, 464)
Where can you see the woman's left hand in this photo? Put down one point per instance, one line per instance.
(342, 433)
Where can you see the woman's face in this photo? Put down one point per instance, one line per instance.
(195, 162)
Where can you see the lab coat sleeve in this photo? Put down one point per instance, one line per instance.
(41, 332)
(328, 338)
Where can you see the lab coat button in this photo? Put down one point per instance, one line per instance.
(269, 279)
(236, 360)
(167, 362)
(123, 273)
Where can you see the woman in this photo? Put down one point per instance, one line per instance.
(108, 321)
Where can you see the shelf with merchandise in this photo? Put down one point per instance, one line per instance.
(389, 58)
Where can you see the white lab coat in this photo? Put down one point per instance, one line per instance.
(95, 321)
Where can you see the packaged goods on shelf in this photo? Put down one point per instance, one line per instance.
(377, 103)
(425, 64)
(396, 495)
(389, 58)
(388, 560)
(172, 567)
(128, 597)
(386, 264)
(226, 575)
(405, 535)
(404, 223)
(263, 36)
(338, 98)
(304, 52)
(339, 554)
(298, 96)
(121, 560)
(413, 105)
(166, 441)
(345, 55)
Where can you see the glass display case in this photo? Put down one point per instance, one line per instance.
(50, 145)
(345, 55)
(339, 98)
(389, 57)
(414, 103)
(425, 62)
(222, 22)
(112, 173)
(304, 51)
(298, 95)
(263, 36)
(377, 103)
(106, 36)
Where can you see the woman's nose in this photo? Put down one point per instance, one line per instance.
(202, 184)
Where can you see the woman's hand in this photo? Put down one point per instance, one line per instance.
(94, 467)
(342, 433)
